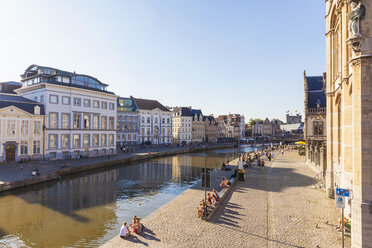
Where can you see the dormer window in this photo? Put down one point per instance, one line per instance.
(318, 103)
(37, 110)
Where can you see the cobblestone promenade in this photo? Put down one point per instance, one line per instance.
(277, 207)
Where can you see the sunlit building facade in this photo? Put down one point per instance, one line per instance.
(80, 112)
(349, 115)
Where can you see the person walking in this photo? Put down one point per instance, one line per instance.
(262, 165)
(258, 162)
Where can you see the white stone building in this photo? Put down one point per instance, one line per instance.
(182, 125)
(80, 112)
(155, 122)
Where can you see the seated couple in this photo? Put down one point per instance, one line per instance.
(225, 183)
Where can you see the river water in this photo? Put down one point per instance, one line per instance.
(88, 210)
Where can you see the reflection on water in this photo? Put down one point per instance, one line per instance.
(87, 210)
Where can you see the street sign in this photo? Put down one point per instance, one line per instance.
(343, 192)
(340, 201)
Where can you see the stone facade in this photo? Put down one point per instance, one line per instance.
(292, 119)
(182, 125)
(349, 110)
(257, 128)
(315, 123)
(198, 126)
(267, 129)
(211, 127)
(80, 112)
(155, 122)
(21, 129)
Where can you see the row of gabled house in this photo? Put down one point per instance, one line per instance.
(55, 114)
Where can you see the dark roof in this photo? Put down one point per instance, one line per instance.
(183, 111)
(9, 87)
(77, 86)
(196, 112)
(210, 119)
(20, 102)
(314, 83)
(315, 97)
(149, 104)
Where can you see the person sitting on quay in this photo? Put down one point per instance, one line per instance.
(201, 208)
(124, 231)
(225, 183)
(215, 195)
(210, 201)
(223, 166)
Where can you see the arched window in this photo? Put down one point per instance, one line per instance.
(148, 119)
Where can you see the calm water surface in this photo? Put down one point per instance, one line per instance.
(87, 210)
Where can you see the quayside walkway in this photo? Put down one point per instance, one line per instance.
(277, 207)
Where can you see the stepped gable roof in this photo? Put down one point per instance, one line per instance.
(148, 104)
(315, 92)
(20, 102)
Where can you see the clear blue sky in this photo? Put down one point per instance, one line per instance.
(221, 56)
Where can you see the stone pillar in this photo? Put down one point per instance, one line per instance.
(323, 159)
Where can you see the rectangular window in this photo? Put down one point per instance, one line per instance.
(76, 140)
(95, 140)
(65, 121)
(11, 127)
(95, 151)
(118, 125)
(86, 140)
(142, 131)
(86, 103)
(53, 99)
(134, 127)
(318, 128)
(76, 121)
(111, 123)
(41, 99)
(103, 140)
(24, 147)
(104, 105)
(129, 137)
(112, 106)
(37, 127)
(86, 121)
(65, 100)
(134, 137)
(103, 122)
(36, 147)
(77, 101)
(96, 104)
(65, 141)
(103, 151)
(24, 128)
(52, 155)
(53, 120)
(52, 141)
(111, 139)
(95, 121)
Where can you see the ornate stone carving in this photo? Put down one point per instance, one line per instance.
(355, 15)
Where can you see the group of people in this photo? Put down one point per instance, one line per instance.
(209, 203)
(225, 183)
(226, 167)
(137, 228)
(126, 149)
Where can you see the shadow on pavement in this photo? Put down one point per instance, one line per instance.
(149, 235)
(135, 239)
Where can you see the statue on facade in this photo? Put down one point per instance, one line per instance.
(356, 13)
(354, 16)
